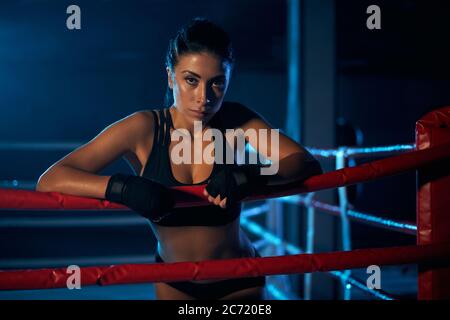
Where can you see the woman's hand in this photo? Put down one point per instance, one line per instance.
(232, 183)
(151, 199)
(217, 200)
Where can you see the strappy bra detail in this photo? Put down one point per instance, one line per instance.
(158, 168)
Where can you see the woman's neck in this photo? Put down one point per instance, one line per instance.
(180, 121)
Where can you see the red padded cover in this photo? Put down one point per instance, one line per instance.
(433, 202)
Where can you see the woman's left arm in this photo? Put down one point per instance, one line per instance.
(291, 161)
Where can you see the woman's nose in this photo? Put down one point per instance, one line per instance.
(203, 96)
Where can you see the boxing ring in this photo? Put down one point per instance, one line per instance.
(429, 156)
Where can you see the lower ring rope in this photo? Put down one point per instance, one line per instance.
(228, 268)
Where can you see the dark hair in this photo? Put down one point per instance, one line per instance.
(199, 35)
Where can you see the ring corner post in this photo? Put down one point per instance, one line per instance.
(433, 203)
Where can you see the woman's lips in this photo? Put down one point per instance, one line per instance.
(199, 114)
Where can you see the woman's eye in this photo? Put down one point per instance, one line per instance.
(219, 83)
(191, 80)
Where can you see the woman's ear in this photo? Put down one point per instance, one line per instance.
(169, 78)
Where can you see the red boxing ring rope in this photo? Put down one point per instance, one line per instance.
(226, 268)
(188, 196)
(231, 268)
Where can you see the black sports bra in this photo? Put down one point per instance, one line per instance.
(158, 168)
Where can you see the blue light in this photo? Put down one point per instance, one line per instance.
(260, 231)
(382, 221)
(352, 213)
(291, 249)
(364, 288)
(251, 212)
(324, 153)
(369, 150)
(276, 293)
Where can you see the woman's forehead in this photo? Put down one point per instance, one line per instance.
(203, 64)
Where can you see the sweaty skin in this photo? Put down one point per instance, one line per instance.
(199, 82)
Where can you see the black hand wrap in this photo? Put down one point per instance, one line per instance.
(236, 182)
(147, 197)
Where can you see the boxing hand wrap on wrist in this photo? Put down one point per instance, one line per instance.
(115, 187)
(147, 197)
(236, 182)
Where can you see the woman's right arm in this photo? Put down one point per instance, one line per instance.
(75, 174)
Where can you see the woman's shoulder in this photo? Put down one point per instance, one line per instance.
(141, 123)
(147, 116)
(146, 113)
(142, 118)
(143, 127)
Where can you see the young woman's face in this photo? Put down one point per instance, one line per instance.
(199, 83)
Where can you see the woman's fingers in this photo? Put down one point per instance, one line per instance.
(223, 203)
(217, 201)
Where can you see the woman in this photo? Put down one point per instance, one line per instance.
(199, 64)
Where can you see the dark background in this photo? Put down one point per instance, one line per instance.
(58, 85)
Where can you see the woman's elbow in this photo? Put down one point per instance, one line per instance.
(312, 168)
(48, 181)
(43, 184)
(316, 168)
